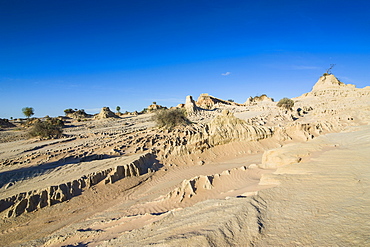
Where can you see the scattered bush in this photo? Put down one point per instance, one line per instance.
(76, 113)
(286, 103)
(81, 112)
(170, 118)
(47, 129)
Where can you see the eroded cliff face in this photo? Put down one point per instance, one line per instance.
(35, 199)
(227, 128)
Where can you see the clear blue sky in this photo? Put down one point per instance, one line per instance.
(88, 54)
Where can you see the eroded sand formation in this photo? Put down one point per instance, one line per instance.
(248, 174)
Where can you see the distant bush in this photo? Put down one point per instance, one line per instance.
(286, 103)
(145, 110)
(170, 118)
(68, 111)
(81, 112)
(51, 128)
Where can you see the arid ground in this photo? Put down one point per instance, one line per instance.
(251, 174)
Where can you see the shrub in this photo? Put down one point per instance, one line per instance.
(81, 112)
(47, 129)
(56, 121)
(286, 103)
(28, 111)
(68, 111)
(170, 118)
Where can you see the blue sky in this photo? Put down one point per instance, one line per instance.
(88, 54)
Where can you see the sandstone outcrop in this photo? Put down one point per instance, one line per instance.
(328, 85)
(226, 128)
(329, 81)
(208, 102)
(155, 107)
(190, 105)
(254, 100)
(105, 113)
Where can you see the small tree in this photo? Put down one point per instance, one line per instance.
(28, 111)
(286, 103)
(118, 108)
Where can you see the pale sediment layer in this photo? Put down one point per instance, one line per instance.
(39, 198)
(323, 201)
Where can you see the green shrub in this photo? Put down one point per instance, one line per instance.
(286, 103)
(170, 118)
(47, 129)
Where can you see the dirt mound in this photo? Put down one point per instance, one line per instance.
(106, 113)
(4, 123)
(254, 100)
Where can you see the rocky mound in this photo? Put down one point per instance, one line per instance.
(4, 123)
(226, 128)
(254, 100)
(155, 107)
(77, 114)
(106, 113)
(208, 102)
(329, 81)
